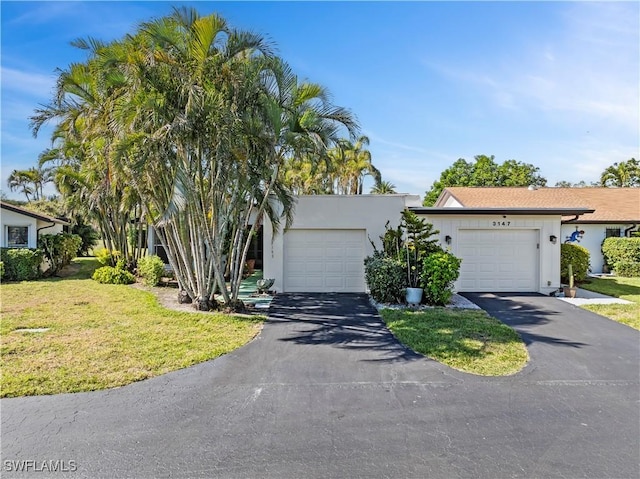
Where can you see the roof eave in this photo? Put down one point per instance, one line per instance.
(32, 214)
(501, 211)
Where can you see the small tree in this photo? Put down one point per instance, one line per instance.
(418, 244)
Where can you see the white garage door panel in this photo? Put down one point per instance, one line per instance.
(324, 261)
(498, 260)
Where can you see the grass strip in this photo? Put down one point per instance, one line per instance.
(623, 288)
(466, 340)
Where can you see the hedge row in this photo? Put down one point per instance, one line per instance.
(623, 255)
(21, 264)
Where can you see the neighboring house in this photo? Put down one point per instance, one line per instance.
(21, 227)
(616, 211)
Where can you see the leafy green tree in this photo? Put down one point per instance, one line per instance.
(623, 174)
(484, 171)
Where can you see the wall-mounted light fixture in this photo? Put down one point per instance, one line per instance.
(553, 239)
(447, 239)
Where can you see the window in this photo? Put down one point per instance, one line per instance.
(17, 236)
(612, 233)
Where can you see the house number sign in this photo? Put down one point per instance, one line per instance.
(501, 223)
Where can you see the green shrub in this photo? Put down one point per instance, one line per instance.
(21, 264)
(111, 275)
(2, 269)
(576, 255)
(59, 249)
(386, 278)
(627, 269)
(151, 269)
(439, 271)
(626, 250)
(88, 235)
(107, 257)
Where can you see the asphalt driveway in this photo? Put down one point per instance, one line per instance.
(326, 391)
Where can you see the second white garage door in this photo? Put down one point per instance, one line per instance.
(498, 260)
(324, 261)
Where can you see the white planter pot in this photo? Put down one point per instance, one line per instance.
(414, 296)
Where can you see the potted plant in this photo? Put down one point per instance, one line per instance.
(570, 291)
(414, 292)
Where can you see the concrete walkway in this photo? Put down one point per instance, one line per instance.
(584, 296)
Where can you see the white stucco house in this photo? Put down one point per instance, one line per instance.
(505, 249)
(22, 227)
(615, 211)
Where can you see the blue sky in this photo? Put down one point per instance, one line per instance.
(549, 83)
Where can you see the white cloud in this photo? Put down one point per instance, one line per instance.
(32, 83)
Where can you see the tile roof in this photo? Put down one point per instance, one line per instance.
(32, 214)
(611, 205)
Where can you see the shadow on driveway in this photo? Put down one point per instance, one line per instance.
(344, 320)
(565, 341)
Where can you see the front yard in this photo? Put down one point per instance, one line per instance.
(73, 334)
(623, 288)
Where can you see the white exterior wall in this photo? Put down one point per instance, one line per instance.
(546, 226)
(11, 218)
(594, 235)
(368, 212)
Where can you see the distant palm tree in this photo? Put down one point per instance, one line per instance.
(20, 180)
(623, 174)
(384, 188)
(30, 182)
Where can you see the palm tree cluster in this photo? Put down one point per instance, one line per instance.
(188, 125)
(341, 171)
(30, 182)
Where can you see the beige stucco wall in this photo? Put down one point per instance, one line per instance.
(368, 212)
(549, 257)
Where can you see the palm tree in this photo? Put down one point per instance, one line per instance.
(21, 180)
(354, 163)
(623, 174)
(383, 188)
(190, 122)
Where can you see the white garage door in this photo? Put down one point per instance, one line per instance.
(324, 261)
(498, 260)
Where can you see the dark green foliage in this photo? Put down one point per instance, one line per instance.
(386, 278)
(484, 171)
(1, 269)
(151, 269)
(576, 255)
(392, 244)
(418, 244)
(439, 271)
(59, 249)
(21, 264)
(88, 235)
(111, 275)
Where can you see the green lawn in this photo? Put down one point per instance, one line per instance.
(467, 340)
(102, 336)
(624, 288)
